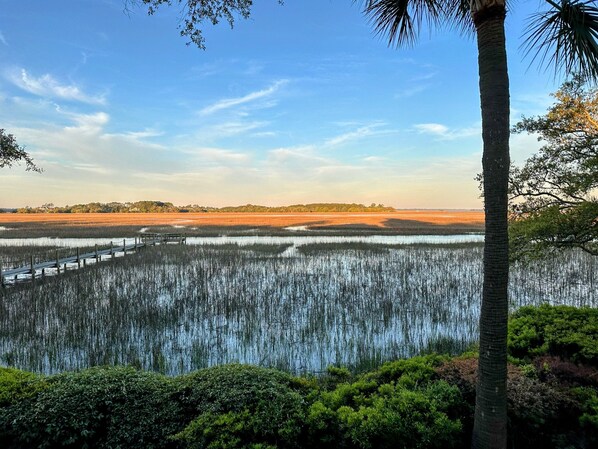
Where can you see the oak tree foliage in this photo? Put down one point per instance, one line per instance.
(554, 196)
(195, 13)
(12, 153)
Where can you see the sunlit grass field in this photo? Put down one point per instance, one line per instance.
(128, 225)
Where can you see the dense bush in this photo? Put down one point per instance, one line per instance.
(555, 330)
(541, 416)
(97, 408)
(16, 385)
(397, 406)
(242, 406)
(542, 412)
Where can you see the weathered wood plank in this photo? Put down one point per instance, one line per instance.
(31, 268)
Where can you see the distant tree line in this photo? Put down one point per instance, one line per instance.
(161, 207)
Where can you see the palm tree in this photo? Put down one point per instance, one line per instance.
(565, 36)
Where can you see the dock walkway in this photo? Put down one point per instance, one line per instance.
(31, 270)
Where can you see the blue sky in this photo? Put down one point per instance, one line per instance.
(301, 103)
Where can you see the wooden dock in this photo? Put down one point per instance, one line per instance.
(27, 272)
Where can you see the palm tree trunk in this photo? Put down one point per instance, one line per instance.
(490, 425)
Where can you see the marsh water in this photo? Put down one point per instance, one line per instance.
(296, 303)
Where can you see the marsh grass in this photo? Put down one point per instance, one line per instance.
(174, 309)
(15, 256)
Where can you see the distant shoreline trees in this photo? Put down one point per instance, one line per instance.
(165, 207)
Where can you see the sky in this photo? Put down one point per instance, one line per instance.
(301, 103)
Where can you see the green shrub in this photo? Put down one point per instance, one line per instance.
(540, 415)
(16, 385)
(232, 430)
(97, 408)
(397, 406)
(242, 406)
(392, 417)
(408, 372)
(334, 376)
(555, 330)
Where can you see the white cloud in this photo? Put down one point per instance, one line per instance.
(253, 96)
(89, 123)
(445, 133)
(432, 128)
(3, 39)
(47, 86)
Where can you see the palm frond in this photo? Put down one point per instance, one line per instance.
(458, 16)
(565, 37)
(401, 20)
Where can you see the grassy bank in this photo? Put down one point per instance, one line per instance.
(422, 402)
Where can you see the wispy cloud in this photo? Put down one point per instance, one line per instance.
(359, 133)
(417, 85)
(253, 96)
(234, 127)
(222, 156)
(134, 136)
(47, 86)
(425, 76)
(265, 134)
(89, 123)
(3, 39)
(412, 91)
(443, 132)
(207, 69)
(92, 168)
(432, 128)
